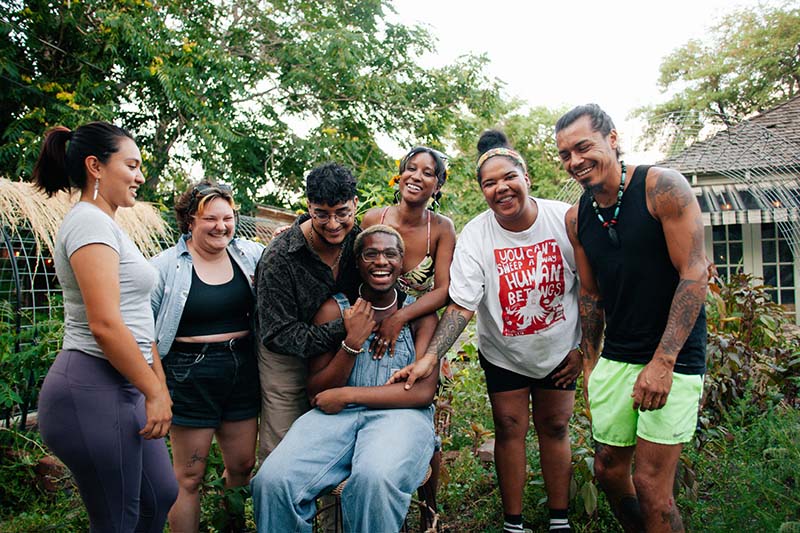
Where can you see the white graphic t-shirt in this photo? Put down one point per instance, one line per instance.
(524, 288)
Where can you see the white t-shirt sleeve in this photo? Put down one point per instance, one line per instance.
(89, 226)
(467, 274)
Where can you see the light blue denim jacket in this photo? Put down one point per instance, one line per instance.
(174, 267)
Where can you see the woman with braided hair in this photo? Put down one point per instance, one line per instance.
(429, 239)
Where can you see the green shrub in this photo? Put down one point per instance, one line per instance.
(747, 349)
(25, 505)
(25, 358)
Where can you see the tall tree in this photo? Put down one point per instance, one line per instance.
(227, 84)
(749, 63)
(530, 131)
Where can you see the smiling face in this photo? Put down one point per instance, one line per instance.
(381, 273)
(505, 188)
(418, 182)
(213, 227)
(332, 223)
(587, 155)
(120, 176)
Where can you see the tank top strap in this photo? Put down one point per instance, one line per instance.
(428, 252)
(383, 214)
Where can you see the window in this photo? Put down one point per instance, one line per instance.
(778, 265)
(728, 249)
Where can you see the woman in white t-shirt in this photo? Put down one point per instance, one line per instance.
(514, 267)
(104, 407)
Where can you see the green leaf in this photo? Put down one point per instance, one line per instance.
(589, 495)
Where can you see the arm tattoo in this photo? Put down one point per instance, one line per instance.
(447, 331)
(689, 296)
(697, 252)
(592, 323)
(670, 193)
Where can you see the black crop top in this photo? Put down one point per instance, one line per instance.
(212, 309)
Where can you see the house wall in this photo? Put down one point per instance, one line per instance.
(762, 255)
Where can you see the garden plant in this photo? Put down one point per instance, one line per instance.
(740, 472)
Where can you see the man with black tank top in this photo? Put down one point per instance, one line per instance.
(638, 238)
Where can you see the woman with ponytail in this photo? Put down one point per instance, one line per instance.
(429, 240)
(104, 407)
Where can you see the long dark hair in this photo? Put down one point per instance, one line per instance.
(61, 163)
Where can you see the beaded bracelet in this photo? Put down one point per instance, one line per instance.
(351, 351)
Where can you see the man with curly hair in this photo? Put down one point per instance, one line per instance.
(300, 269)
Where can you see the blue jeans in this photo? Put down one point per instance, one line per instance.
(384, 452)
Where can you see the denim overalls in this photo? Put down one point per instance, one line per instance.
(384, 452)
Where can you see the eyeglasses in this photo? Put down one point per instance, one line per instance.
(323, 218)
(370, 255)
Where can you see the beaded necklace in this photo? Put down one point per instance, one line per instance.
(375, 307)
(609, 225)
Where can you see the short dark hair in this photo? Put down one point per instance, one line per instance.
(61, 162)
(194, 200)
(330, 184)
(599, 119)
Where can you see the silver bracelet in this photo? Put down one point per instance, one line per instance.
(351, 351)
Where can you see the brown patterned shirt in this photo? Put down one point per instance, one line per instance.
(292, 283)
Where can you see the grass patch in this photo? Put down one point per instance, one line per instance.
(749, 473)
(740, 474)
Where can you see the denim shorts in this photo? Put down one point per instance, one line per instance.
(212, 382)
(503, 380)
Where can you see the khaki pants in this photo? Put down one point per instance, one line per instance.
(284, 400)
(283, 397)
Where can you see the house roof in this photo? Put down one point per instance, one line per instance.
(770, 140)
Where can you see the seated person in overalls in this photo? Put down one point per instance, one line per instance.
(379, 436)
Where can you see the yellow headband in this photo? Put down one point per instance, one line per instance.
(508, 152)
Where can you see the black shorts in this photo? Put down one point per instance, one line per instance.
(213, 382)
(502, 380)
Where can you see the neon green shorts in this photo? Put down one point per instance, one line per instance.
(616, 423)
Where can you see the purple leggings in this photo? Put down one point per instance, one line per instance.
(90, 417)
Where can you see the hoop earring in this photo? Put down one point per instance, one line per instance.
(96, 188)
(397, 197)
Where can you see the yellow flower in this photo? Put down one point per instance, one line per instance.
(188, 46)
(395, 179)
